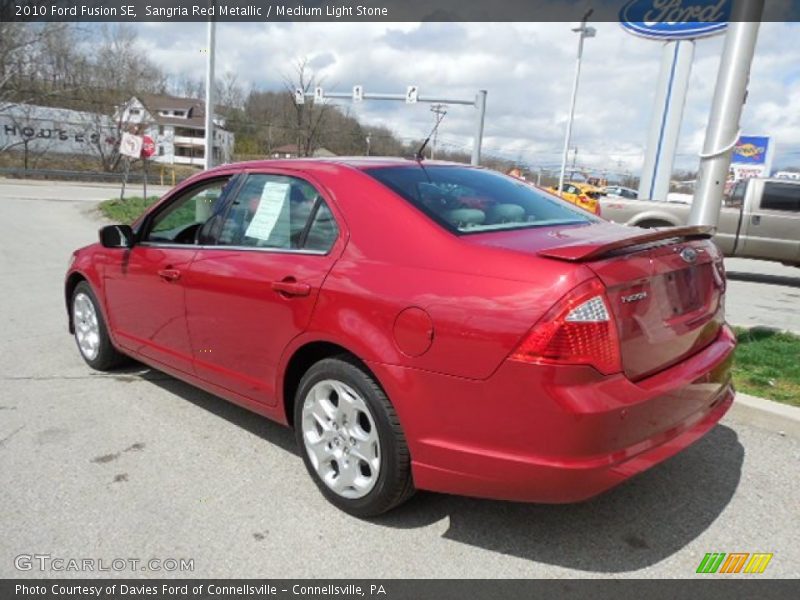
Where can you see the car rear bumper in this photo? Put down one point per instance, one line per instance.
(556, 434)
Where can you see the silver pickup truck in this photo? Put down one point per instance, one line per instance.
(760, 218)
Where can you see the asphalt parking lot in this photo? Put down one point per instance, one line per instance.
(136, 464)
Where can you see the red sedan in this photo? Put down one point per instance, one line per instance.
(420, 325)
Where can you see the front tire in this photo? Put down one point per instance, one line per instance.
(350, 438)
(91, 333)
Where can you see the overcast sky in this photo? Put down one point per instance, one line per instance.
(527, 69)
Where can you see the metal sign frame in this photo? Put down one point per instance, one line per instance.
(412, 96)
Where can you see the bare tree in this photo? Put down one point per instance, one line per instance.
(229, 93)
(186, 86)
(309, 116)
(25, 51)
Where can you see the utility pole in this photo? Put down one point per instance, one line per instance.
(574, 161)
(584, 32)
(368, 139)
(439, 110)
(730, 95)
(209, 140)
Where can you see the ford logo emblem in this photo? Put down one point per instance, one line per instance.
(675, 19)
(689, 255)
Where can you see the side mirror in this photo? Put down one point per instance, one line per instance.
(116, 236)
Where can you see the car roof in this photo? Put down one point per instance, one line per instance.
(355, 162)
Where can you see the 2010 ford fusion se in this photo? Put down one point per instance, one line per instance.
(421, 325)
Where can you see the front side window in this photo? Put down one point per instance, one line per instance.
(280, 212)
(467, 200)
(180, 221)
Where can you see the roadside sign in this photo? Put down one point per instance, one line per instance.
(358, 93)
(319, 94)
(299, 96)
(148, 146)
(658, 20)
(412, 94)
(130, 145)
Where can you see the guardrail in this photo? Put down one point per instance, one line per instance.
(89, 176)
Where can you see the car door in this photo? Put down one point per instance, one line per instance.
(251, 293)
(145, 289)
(772, 229)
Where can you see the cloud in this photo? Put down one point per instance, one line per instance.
(527, 69)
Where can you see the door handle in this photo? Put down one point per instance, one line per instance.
(289, 286)
(169, 274)
(755, 219)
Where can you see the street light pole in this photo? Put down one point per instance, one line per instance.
(209, 150)
(726, 111)
(584, 32)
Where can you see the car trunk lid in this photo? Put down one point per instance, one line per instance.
(667, 303)
(664, 286)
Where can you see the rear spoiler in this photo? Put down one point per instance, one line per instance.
(592, 248)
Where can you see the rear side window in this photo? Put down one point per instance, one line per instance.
(781, 196)
(280, 212)
(468, 200)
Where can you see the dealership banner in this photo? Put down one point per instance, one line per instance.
(398, 589)
(695, 16)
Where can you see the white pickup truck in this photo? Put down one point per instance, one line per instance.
(760, 219)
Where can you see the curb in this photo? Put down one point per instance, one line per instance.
(780, 418)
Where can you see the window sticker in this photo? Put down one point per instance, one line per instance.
(270, 208)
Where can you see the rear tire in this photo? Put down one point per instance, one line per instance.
(91, 333)
(350, 438)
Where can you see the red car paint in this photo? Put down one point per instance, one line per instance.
(442, 321)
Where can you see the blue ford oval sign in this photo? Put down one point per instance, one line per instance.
(675, 19)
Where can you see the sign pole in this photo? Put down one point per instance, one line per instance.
(124, 178)
(665, 126)
(209, 150)
(583, 32)
(480, 104)
(144, 166)
(726, 111)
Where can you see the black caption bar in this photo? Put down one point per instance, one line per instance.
(395, 589)
(377, 10)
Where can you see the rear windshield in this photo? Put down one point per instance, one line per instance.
(468, 200)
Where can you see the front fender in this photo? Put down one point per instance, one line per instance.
(85, 267)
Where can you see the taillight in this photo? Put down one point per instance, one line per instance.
(578, 330)
(589, 204)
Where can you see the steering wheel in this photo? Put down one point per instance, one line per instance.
(189, 235)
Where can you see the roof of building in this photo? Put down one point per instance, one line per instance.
(191, 122)
(195, 109)
(156, 102)
(294, 150)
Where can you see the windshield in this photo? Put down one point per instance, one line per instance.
(468, 200)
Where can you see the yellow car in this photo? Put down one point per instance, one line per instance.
(582, 195)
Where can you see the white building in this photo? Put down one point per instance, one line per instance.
(47, 130)
(177, 125)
